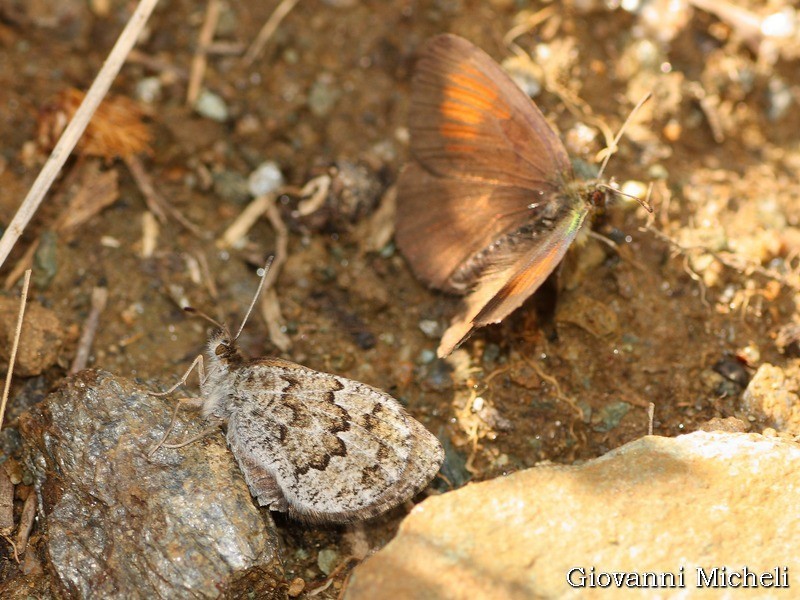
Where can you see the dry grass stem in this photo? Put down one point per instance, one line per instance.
(379, 225)
(22, 265)
(15, 346)
(200, 59)
(245, 221)
(270, 307)
(98, 190)
(268, 30)
(271, 311)
(150, 231)
(315, 192)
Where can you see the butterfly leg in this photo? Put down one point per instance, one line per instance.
(198, 363)
(192, 402)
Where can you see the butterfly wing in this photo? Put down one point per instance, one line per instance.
(470, 120)
(485, 154)
(507, 284)
(435, 242)
(325, 448)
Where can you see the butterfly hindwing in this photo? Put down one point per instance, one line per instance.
(506, 285)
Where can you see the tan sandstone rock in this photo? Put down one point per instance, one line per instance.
(702, 500)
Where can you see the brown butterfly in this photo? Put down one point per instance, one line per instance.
(491, 203)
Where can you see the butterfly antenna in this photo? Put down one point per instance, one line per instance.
(643, 202)
(613, 147)
(267, 265)
(193, 311)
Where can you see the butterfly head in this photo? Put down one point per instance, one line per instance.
(598, 197)
(222, 347)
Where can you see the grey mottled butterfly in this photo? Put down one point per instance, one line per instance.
(319, 446)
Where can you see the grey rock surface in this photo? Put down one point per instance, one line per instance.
(121, 525)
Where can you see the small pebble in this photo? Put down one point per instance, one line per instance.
(296, 587)
(267, 178)
(212, 106)
(609, 416)
(426, 357)
(322, 96)
(327, 560)
(519, 69)
(636, 189)
(430, 328)
(780, 99)
(148, 90)
(45, 260)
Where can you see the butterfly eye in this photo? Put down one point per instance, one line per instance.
(220, 349)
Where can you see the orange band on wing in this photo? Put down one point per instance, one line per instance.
(539, 270)
(455, 111)
(462, 132)
(466, 88)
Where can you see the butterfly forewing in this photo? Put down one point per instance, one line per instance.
(470, 121)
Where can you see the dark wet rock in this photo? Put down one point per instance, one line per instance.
(119, 524)
(454, 467)
(733, 370)
(40, 341)
(774, 396)
(518, 536)
(435, 375)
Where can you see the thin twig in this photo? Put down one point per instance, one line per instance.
(200, 59)
(270, 306)
(245, 221)
(281, 244)
(22, 265)
(76, 126)
(99, 299)
(268, 30)
(150, 231)
(15, 346)
(26, 522)
(157, 204)
(207, 277)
